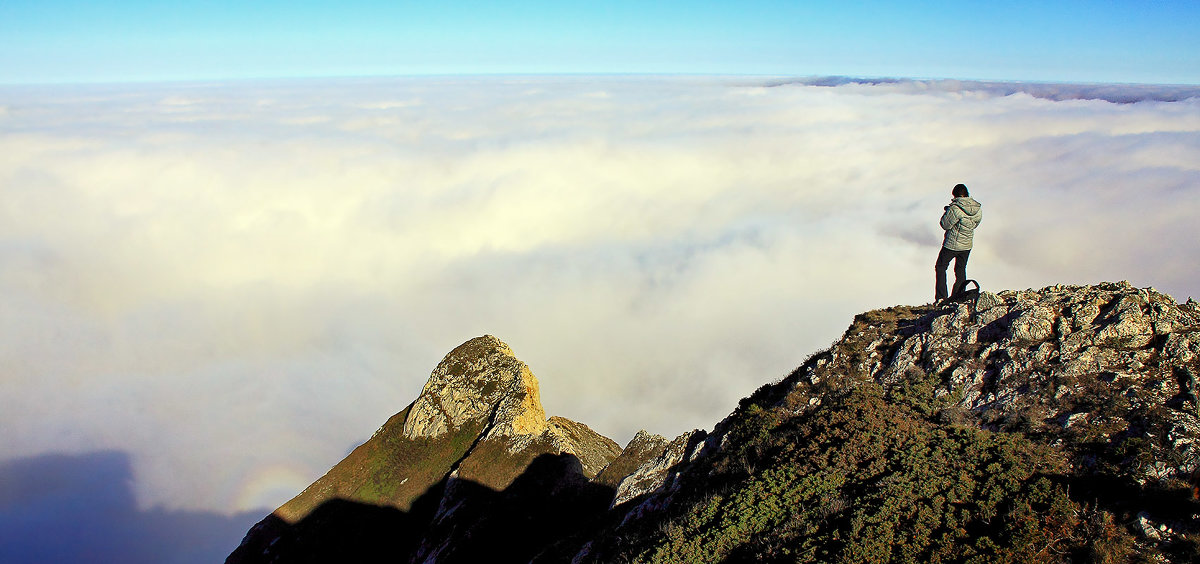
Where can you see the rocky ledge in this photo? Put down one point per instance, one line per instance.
(1071, 410)
(1111, 363)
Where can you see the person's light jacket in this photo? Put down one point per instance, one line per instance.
(962, 216)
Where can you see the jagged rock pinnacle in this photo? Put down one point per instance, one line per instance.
(481, 381)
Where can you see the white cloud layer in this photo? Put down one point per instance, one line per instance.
(236, 283)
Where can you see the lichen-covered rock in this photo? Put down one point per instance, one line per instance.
(1112, 355)
(655, 475)
(1035, 323)
(479, 381)
(595, 451)
(987, 301)
(642, 448)
(1126, 325)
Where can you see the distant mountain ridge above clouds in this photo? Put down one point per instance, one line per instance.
(1115, 93)
(1055, 425)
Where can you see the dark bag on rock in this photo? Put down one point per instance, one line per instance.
(964, 295)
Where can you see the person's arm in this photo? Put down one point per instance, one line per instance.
(950, 217)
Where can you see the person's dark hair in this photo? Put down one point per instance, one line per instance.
(960, 191)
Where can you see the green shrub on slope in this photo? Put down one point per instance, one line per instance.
(863, 480)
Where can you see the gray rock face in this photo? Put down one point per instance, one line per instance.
(655, 476)
(987, 301)
(1033, 324)
(480, 381)
(1103, 362)
(642, 448)
(594, 450)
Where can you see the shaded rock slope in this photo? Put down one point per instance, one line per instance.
(1058, 425)
(471, 461)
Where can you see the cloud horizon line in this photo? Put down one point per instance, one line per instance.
(1116, 92)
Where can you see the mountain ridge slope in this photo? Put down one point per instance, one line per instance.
(477, 428)
(1057, 425)
(1053, 425)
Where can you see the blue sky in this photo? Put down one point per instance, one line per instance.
(76, 41)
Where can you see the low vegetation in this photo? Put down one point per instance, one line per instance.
(864, 480)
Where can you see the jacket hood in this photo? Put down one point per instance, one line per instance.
(967, 204)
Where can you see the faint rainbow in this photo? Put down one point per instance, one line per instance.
(270, 486)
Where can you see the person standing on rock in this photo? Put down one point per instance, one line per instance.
(960, 219)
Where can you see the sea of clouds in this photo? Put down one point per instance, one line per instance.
(235, 283)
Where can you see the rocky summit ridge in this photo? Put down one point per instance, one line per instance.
(480, 382)
(1052, 425)
(471, 447)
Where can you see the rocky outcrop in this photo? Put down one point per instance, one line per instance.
(1109, 358)
(479, 382)
(641, 449)
(1088, 391)
(655, 475)
(470, 458)
(594, 451)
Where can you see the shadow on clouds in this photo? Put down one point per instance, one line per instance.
(81, 508)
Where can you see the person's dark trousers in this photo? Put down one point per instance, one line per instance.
(960, 271)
